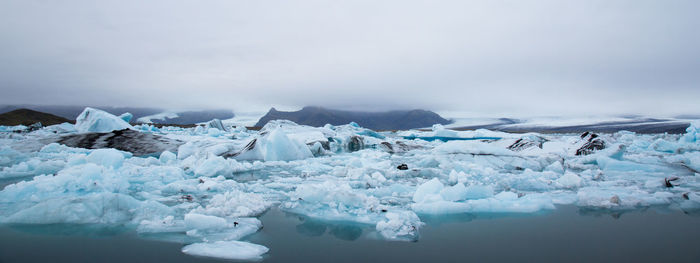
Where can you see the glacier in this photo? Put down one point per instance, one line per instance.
(211, 185)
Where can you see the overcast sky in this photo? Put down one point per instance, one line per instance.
(492, 57)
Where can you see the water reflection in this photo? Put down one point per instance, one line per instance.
(88, 230)
(176, 237)
(347, 231)
(617, 214)
(311, 228)
(436, 220)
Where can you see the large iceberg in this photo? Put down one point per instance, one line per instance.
(94, 120)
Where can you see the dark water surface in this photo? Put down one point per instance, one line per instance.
(563, 235)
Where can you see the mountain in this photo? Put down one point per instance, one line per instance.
(28, 117)
(192, 117)
(389, 120)
(186, 117)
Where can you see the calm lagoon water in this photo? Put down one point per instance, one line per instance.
(566, 234)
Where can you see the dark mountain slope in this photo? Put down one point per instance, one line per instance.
(390, 120)
(28, 117)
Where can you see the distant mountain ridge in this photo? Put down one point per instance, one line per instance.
(185, 117)
(389, 120)
(28, 117)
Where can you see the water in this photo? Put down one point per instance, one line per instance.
(563, 235)
(446, 139)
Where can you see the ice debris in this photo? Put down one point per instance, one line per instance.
(210, 185)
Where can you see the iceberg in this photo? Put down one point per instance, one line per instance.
(217, 124)
(94, 120)
(126, 117)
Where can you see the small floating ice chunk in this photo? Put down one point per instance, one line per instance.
(217, 124)
(212, 167)
(214, 132)
(106, 157)
(95, 208)
(692, 134)
(236, 203)
(427, 189)
(199, 221)
(61, 128)
(165, 225)
(400, 225)
(555, 167)
(235, 230)
(506, 196)
(33, 166)
(186, 150)
(167, 157)
(456, 192)
(237, 250)
(504, 202)
(478, 192)
(569, 180)
(126, 116)
(440, 131)
(472, 147)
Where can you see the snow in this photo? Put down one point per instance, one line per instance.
(213, 189)
(94, 120)
(237, 250)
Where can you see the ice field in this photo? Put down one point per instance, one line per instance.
(207, 186)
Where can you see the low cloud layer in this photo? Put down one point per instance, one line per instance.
(490, 57)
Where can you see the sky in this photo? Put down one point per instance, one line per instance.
(494, 58)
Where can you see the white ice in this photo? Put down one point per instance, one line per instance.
(238, 250)
(94, 120)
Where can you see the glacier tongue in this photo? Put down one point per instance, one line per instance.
(210, 185)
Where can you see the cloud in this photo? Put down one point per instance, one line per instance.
(495, 57)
